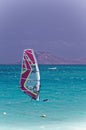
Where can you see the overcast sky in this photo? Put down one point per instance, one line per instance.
(56, 26)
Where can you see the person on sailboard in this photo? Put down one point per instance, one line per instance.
(35, 89)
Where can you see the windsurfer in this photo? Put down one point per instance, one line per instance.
(35, 89)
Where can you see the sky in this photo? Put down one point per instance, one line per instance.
(55, 26)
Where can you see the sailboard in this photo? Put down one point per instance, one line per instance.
(30, 75)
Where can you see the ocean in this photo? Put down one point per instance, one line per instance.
(63, 85)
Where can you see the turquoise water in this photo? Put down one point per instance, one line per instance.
(64, 87)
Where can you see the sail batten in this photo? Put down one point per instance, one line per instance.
(30, 76)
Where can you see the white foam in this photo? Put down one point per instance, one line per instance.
(4, 113)
(64, 126)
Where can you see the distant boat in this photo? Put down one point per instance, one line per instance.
(30, 76)
(52, 68)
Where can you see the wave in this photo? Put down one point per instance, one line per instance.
(58, 126)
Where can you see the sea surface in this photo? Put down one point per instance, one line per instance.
(63, 85)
